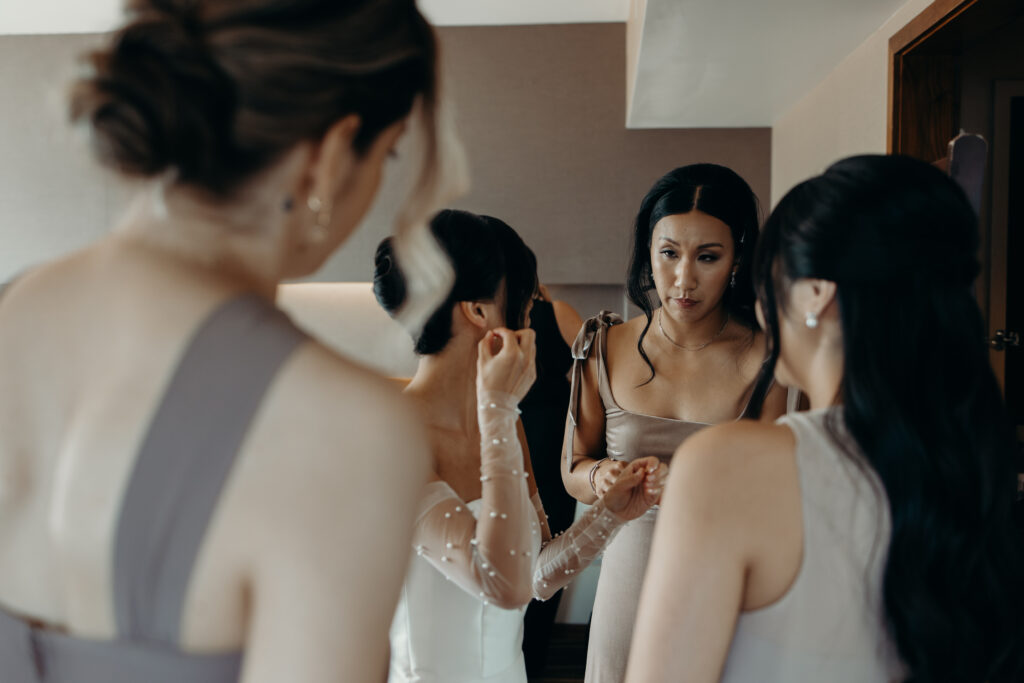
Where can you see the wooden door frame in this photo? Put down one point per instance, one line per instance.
(929, 21)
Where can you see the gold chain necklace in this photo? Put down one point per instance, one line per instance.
(692, 348)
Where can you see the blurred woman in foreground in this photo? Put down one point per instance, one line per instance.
(184, 476)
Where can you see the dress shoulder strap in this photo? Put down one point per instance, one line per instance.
(588, 333)
(186, 457)
(593, 329)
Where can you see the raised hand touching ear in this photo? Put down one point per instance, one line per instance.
(506, 362)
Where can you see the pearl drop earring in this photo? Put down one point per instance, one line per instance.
(811, 319)
(318, 233)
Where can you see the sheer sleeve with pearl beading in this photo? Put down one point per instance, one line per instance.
(496, 555)
(492, 555)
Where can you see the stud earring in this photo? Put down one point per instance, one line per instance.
(811, 319)
(732, 279)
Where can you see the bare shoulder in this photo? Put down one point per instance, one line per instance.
(47, 284)
(568, 319)
(740, 442)
(626, 334)
(350, 401)
(335, 467)
(726, 462)
(329, 425)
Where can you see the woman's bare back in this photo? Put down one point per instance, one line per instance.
(87, 347)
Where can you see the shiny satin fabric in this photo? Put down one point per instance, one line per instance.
(628, 436)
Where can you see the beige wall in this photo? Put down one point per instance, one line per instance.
(52, 197)
(843, 115)
(541, 111)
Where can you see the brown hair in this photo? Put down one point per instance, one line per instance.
(218, 89)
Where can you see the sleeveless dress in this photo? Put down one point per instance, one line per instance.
(183, 463)
(628, 436)
(543, 418)
(830, 624)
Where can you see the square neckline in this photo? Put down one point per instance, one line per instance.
(602, 349)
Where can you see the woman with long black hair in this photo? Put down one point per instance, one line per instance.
(870, 538)
(643, 386)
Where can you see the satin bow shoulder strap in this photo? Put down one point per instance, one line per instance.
(581, 349)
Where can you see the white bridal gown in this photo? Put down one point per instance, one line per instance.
(471, 558)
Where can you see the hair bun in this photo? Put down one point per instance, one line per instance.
(158, 100)
(388, 280)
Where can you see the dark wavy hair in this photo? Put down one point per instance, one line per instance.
(217, 90)
(717, 191)
(900, 240)
(485, 252)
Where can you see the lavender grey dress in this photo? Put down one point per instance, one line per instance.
(831, 623)
(184, 461)
(628, 436)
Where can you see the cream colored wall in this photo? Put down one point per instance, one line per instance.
(843, 115)
(540, 109)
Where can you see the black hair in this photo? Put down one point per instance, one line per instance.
(900, 240)
(217, 90)
(717, 191)
(485, 252)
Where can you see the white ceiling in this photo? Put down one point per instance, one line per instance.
(505, 12)
(97, 16)
(701, 63)
(740, 63)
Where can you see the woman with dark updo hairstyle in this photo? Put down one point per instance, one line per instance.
(483, 547)
(643, 386)
(184, 476)
(869, 538)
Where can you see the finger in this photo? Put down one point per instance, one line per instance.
(629, 480)
(509, 344)
(659, 472)
(649, 462)
(527, 341)
(654, 483)
(483, 348)
(526, 335)
(642, 465)
(494, 343)
(653, 486)
(632, 474)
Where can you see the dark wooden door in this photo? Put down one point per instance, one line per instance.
(1006, 287)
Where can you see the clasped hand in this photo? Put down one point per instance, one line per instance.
(630, 489)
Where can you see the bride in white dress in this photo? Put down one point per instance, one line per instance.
(483, 548)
